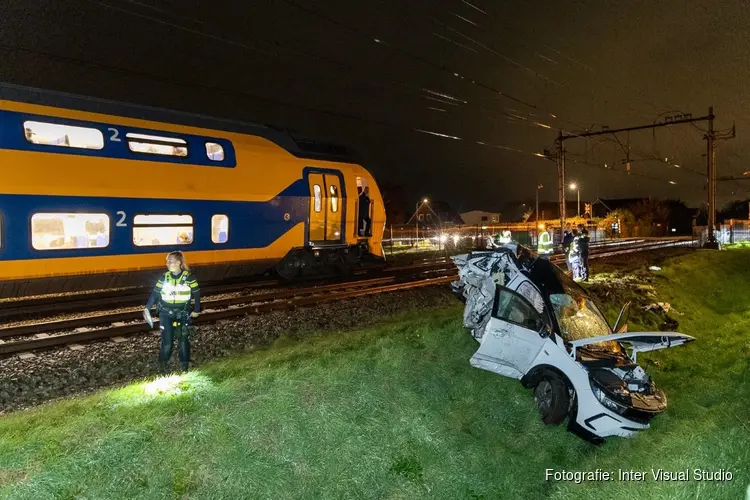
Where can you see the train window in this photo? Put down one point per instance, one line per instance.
(318, 205)
(162, 229)
(156, 145)
(219, 228)
(55, 134)
(214, 151)
(334, 198)
(65, 231)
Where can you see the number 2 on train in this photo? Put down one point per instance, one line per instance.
(121, 222)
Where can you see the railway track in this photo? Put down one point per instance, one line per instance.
(103, 326)
(50, 305)
(45, 306)
(429, 272)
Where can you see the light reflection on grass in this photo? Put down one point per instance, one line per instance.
(190, 384)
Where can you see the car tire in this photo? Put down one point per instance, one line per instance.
(552, 399)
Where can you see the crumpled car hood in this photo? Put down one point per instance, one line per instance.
(640, 342)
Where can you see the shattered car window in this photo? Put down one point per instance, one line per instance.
(527, 291)
(578, 317)
(513, 308)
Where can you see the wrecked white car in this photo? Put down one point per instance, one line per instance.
(534, 323)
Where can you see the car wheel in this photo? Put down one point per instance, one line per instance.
(552, 399)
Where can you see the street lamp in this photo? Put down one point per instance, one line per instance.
(416, 218)
(575, 186)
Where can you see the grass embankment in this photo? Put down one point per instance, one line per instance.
(395, 411)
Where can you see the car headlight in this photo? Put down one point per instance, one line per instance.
(615, 397)
(607, 402)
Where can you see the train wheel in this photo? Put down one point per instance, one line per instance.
(346, 262)
(288, 268)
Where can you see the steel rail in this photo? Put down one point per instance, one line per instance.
(250, 308)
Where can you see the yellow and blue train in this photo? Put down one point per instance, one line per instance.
(94, 193)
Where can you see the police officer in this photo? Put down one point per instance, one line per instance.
(566, 242)
(174, 293)
(574, 255)
(583, 252)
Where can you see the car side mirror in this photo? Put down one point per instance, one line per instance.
(545, 332)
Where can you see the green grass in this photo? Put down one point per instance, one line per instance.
(395, 411)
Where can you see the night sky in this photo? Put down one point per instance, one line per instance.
(378, 76)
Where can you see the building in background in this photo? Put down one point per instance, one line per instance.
(480, 218)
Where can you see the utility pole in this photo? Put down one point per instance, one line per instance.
(711, 138)
(561, 181)
(711, 173)
(538, 187)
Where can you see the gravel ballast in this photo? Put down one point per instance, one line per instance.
(65, 372)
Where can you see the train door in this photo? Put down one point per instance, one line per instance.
(334, 209)
(326, 209)
(318, 210)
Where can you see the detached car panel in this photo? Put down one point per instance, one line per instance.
(536, 324)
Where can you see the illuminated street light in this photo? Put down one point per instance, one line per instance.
(575, 186)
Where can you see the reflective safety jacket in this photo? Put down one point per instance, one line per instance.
(574, 251)
(544, 247)
(176, 292)
(503, 238)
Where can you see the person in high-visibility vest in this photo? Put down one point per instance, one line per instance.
(574, 256)
(174, 294)
(544, 242)
(583, 252)
(504, 238)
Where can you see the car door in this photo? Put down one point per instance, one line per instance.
(514, 336)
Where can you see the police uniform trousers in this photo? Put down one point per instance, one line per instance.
(584, 267)
(168, 332)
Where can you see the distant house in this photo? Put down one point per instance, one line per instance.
(435, 214)
(479, 218)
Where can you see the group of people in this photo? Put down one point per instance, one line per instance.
(575, 245)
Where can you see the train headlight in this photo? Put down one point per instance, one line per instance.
(443, 238)
(455, 239)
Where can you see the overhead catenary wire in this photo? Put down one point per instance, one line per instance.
(286, 103)
(402, 87)
(416, 57)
